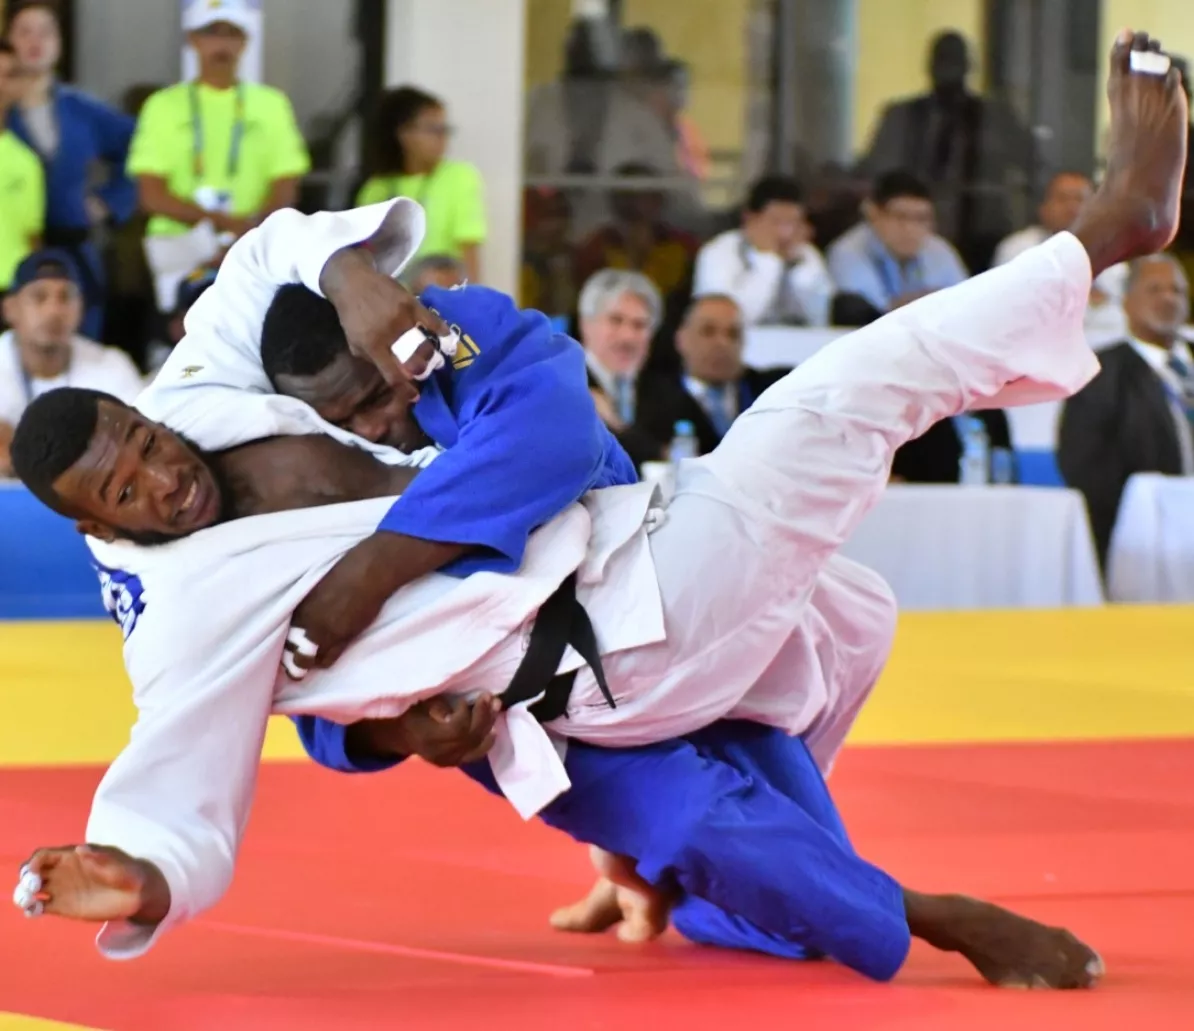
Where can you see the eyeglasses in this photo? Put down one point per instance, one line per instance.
(433, 129)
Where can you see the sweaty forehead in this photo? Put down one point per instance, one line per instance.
(336, 389)
(85, 479)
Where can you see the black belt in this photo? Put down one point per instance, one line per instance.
(561, 621)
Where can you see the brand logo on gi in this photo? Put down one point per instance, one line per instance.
(123, 597)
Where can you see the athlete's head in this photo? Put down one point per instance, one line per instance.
(305, 355)
(92, 458)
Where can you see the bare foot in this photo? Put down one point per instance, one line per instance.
(1010, 951)
(620, 897)
(1136, 210)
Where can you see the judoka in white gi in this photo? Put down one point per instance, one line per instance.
(682, 644)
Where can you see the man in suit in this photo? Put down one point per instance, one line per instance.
(713, 387)
(969, 149)
(1134, 417)
(620, 310)
(935, 457)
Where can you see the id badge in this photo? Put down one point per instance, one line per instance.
(212, 200)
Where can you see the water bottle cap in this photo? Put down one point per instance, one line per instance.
(684, 428)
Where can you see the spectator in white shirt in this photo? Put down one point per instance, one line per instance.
(769, 266)
(43, 350)
(1065, 197)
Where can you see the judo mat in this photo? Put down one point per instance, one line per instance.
(1043, 760)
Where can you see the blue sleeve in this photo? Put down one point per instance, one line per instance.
(529, 441)
(113, 134)
(324, 742)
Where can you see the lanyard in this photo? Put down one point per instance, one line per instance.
(238, 132)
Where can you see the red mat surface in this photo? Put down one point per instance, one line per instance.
(416, 901)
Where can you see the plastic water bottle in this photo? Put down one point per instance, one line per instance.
(1003, 466)
(975, 465)
(684, 442)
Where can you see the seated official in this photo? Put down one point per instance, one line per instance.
(770, 266)
(619, 313)
(1065, 196)
(713, 387)
(936, 456)
(893, 257)
(43, 351)
(1134, 416)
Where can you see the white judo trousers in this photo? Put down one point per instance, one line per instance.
(763, 621)
(735, 606)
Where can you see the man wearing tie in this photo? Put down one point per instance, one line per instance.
(713, 387)
(619, 313)
(1134, 417)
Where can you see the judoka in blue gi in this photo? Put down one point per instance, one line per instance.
(522, 442)
(702, 817)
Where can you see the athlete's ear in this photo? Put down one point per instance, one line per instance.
(90, 528)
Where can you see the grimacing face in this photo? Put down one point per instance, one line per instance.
(139, 481)
(350, 393)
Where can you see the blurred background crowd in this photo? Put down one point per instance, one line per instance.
(703, 193)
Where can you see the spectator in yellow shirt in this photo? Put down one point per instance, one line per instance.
(22, 182)
(218, 148)
(410, 140)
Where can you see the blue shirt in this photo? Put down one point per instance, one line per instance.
(88, 131)
(523, 442)
(860, 264)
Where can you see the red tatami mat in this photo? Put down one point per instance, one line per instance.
(416, 901)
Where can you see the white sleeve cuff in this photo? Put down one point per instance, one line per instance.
(122, 940)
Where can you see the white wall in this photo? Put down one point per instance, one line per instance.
(471, 53)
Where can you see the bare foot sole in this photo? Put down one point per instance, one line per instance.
(1010, 951)
(1136, 210)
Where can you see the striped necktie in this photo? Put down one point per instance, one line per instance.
(1181, 369)
(717, 407)
(624, 398)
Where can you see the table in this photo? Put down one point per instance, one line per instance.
(45, 567)
(1152, 548)
(946, 547)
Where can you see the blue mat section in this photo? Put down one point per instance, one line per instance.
(45, 568)
(1038, 469)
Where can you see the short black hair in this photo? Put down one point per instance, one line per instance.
(894, 185)
(773, 189)
(54, 7)
(302, 334)
(52, 435)
(6, 48)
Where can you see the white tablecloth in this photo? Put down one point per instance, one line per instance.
(981, 547)
(1152, 548)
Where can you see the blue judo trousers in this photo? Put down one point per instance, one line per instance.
(736, 818)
